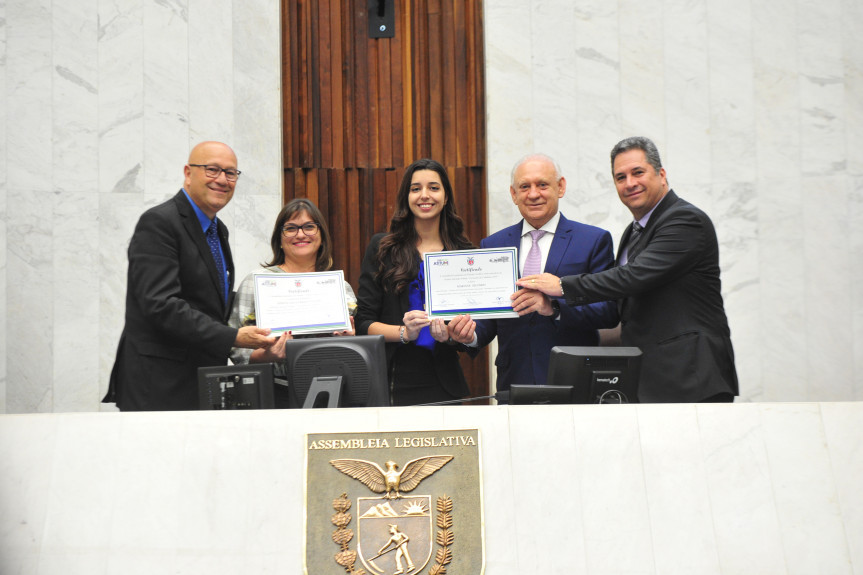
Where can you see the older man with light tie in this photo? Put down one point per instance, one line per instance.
(545, 240)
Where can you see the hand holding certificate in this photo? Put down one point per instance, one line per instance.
(476, 282)
(302, 303)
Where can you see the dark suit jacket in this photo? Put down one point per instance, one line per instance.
(670, 305)
(418, 365)
(175, 314)
(524, 344)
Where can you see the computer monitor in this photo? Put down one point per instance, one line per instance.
(597, 374)
(236, 386)
(540, 394)
(360, 361)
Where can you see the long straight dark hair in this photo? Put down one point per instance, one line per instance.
(397, 254)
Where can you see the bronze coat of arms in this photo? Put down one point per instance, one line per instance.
(394, 503)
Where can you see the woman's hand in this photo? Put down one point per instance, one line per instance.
(273, 353)
(351, 331)
(438, 330)
(414, 321)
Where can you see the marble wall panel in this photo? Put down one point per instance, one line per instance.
(75, 249)
(509, 102)
(28, 94)
(3, 213)
(777, 98)
(211, 70)
(642, 72)
(597, 124)
(734, 212)
(26, 497)
(257, 138)
(613, 489)
(75, 104)
(839, 421)
(806, 499)
(687, 90)
(741, 486)
(165, 122)
(852, 20)
(560, 494)
(678, 493)
(30, 298)
(829, 288)
(732, 105)
(821, 87)
(855, 246)
(121, 97)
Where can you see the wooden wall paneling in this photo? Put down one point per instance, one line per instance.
(384, 105)
(361, 82)
(476, 87)
(421, 134)
(324, 83)
(435, 85)
(462, 102)
(290, 94)
(337, 100)
(307, 100)
(406, 94)
(396, 96)
(449, 93)
(337, 219)
(378, 191)
(358, 232)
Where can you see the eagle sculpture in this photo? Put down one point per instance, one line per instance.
(391, 481)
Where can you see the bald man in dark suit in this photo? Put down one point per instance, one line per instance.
(178, 293)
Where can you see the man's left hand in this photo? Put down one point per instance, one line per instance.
(526, 301)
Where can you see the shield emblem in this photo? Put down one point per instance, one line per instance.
(394, 535)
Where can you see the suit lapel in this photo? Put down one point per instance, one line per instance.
(559, 245)
(196, 234)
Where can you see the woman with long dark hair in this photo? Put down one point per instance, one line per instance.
(422, 362)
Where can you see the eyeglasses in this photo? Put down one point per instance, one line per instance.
(214, 171)
(309, 228)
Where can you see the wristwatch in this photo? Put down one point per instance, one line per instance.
(555, 308)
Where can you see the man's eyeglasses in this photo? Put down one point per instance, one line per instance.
(214, 171)
(309, 228)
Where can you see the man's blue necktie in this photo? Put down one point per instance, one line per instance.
(213, 242)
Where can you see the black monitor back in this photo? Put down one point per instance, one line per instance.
(236, 386)
(597, 374)
(360, 361)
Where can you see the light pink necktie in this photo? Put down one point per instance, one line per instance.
(534, 256)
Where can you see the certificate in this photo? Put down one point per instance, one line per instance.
(302, 303)
(478, 282)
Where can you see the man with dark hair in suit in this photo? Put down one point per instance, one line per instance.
(545, 240)
(666, 283)
(178, 292)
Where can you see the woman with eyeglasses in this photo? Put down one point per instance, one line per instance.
(422, 362)
(301, 243)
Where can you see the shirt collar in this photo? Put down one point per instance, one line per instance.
(204, 220)
(550, 226)
(643, 220)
